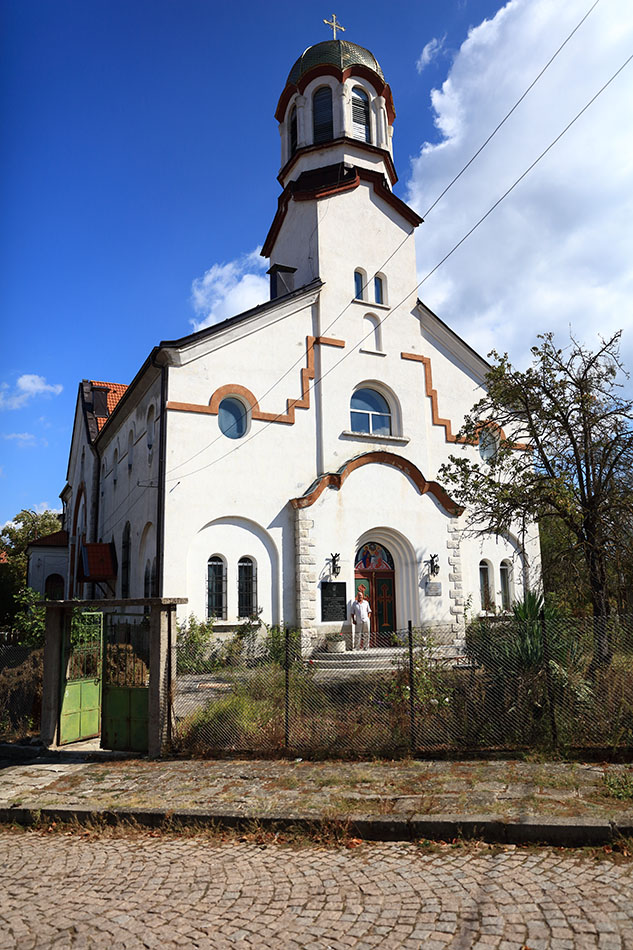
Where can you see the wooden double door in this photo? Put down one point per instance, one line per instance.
(374, 573)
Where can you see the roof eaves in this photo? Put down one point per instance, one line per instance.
(246, 315)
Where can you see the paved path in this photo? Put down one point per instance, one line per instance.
(508, 790)
(125, 893)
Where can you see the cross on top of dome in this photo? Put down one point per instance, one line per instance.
(334, 23)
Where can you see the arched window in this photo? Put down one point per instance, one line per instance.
(485, 586)
(505, 573)
(153, 581)
(370, 413)
(359, 285)
(147, 580)
(150, 428)
(488, 443)
(292, 125)
(322, 124)
(54, 587)
(115, 467)
(130, 450)
(126, 544)
(379, 296)
(216, 587)
(246, 587)
(360, 115)
(232, 418)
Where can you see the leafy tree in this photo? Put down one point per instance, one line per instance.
(563, 450)
(26, 527)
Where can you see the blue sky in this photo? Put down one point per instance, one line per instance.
(140, 156)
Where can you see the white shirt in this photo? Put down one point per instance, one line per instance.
(360, 610)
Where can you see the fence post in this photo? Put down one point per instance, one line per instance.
(412, 738)
(287, 689)
(548, 681)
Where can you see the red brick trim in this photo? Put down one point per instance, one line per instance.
(235, 389)
(435, 414)
(337, 479)
(362, 174)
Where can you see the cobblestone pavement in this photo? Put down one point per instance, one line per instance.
(505, 789)
(155, 891)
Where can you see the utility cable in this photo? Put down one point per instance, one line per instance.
(431, 272)
(508, 114)
(384, 264)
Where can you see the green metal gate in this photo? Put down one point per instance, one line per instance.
(80, 714)
(125, 682)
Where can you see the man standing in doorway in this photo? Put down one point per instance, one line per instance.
(361, 612)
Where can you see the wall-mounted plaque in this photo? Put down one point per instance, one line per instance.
(333, 601)
(433, 589)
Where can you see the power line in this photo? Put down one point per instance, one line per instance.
(431, 272)
(300, 359)
(508, 114)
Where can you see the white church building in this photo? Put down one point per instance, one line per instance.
(275, 462)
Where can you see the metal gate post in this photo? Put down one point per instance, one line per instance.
(287, 691)
(412, 738)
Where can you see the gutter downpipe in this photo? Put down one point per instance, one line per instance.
(160, 501)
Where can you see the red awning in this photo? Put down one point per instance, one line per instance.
(97, 562)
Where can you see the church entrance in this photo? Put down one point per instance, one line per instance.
(374, 573)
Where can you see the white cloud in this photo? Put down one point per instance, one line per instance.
(22, 438)
(557, 252)
(26, 388)
(44, 506)
(228, 289)
(432, 49)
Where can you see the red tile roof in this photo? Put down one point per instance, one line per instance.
(115, 392)
(58, 539)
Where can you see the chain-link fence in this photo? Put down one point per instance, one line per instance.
(514, 685)
(21, 677)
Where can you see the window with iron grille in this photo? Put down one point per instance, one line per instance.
(322, 123)
(216, 587)
(360, 115)
(246, 587)
(485, 590)
(125, 561)
(505, 572)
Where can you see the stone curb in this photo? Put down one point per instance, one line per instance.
(562, 832)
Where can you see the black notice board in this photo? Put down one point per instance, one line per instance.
(333, 601)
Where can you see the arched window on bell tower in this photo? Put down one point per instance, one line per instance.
(360, 115)
(292, 134)
(322, 121)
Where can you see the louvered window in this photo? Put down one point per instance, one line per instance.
(246, 587)
(216, 588)
(360, 115)
(322, 125)
(293, 131)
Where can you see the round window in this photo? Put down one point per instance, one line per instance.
(232, 418)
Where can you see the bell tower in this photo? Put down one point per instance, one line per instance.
(338, 217)
(335, 107)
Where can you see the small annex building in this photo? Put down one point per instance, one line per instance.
(276, 461)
